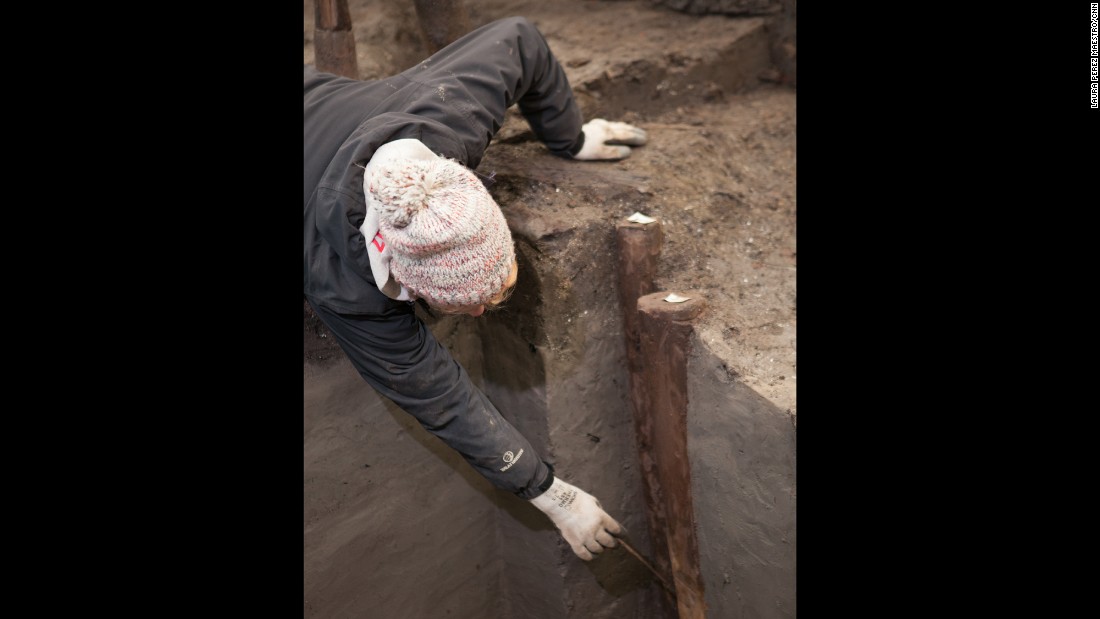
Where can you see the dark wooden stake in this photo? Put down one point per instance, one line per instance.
(666, 333)
(639, 247)
(333, 39)
(658, 339)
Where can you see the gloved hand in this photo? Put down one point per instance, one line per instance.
(606, 140)
(579, 517)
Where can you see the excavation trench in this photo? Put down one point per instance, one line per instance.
(681, 424)
(621, 397)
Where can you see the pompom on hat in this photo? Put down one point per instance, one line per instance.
(449, 242)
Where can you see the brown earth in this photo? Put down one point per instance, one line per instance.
(718, 172)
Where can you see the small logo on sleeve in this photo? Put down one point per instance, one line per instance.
(510, 459)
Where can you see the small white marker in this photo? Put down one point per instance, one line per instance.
(638, 218)
(675, 298)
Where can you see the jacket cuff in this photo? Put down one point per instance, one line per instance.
(542, 487)
(578, 145)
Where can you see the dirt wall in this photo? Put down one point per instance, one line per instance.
(389, 510)
(742, 451)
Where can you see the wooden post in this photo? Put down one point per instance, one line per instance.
(333, 39)
(665, 331)
(658, 336)
(639, 247)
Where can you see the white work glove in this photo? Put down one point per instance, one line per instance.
(607, 140)
(579, 517)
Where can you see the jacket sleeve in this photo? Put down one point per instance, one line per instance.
(398, 356)
(470, 84)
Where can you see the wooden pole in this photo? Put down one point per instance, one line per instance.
(658, 335)
(639, 247)
(333, 39)
(666, 331)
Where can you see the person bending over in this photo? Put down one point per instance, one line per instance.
(394, 215)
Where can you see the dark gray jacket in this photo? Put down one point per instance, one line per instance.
(454, 102)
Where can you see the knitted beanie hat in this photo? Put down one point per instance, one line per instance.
(449, 240)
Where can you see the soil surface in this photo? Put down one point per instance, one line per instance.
(718, 171)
